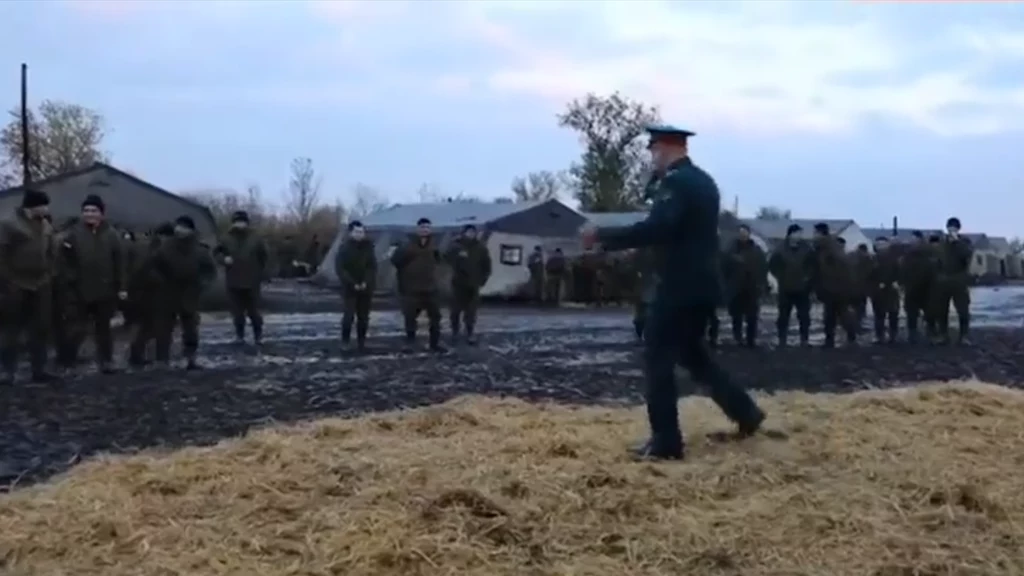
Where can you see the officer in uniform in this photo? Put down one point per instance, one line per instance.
(683, 229)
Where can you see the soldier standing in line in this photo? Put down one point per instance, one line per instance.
(953, 283)
(918, 270)
(860, 267)
(832, 283)
(144, 292)
(185, 269)
(745, 273)
(416, 265)
(355, 264)
(27, 263)
(554, 271)
(471, 268)
(792, 265)
(535, 265)
(885, 295)
(92, 257)
(245, 259)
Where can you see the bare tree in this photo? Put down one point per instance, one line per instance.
(504, 200)
(613, 170)
(303, 192)
(367, 200)
(433, 194)
(63, 137)
(538, 186)
(773, 213)
(1016, 246)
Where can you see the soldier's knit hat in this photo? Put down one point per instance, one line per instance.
(953, 222)
(185, 222)
(423, 221)
(240, 216)
(822, 228)
(793, 229)
(95, 201)
(355, 224)
(918, 234)
(469, 227)
(34, 199)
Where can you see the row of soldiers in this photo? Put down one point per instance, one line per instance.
(57, 286)
(927, 276)
(416, 265)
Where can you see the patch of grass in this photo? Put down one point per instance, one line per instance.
(922, 481)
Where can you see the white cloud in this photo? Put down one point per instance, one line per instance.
(760, 67)
(751, 68)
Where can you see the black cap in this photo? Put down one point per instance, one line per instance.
(934, 238)
(423, 221)
(354, 224)
(185, 222)
(953, 222)
(666, 133)
(793, 229)
(240, 216)
(918, 234)
(880, 239)
(469, 227)
(822, 228)
(841, 240)
(34, 199)
(95, 201)
(165, 229)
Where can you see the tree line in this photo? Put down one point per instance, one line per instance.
(609, 175)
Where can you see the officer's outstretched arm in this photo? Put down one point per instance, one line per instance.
(663, 222)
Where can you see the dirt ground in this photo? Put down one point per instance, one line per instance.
(573, 357)
(914, 481)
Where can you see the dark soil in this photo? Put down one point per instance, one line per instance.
(44, 429)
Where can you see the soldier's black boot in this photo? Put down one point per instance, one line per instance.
(191, 363)
(41, 376)
(346, 334)
(471, 335)
(638, 329)
(435, 341)
(410, 341)
(240, 331)
(361, 330)
(257, 332)
(964, 325)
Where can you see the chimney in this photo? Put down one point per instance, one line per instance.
(895, 227)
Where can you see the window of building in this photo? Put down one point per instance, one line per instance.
(511, 255)
(979, 260)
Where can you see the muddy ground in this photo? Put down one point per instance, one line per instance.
(302, 372)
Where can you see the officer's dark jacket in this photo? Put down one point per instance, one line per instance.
(682, 228)
(249, 259)
(356, 263)
(93, 262)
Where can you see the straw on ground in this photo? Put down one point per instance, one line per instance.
(922, 481)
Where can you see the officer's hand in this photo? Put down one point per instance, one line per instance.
(228, 260)
(122, 295)
(588, 235)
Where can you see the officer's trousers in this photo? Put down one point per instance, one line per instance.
(356, 308)
(917, 304)
(744, 309)
(675, 335)
(960, 296)
(465, 303)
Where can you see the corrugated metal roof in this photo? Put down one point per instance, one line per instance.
(776, 229)
(614, 219)
(999, 244)
(445, 215)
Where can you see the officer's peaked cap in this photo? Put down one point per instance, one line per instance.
(668, 132)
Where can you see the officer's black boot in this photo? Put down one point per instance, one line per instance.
(737, 330)
(471, 335)
(962, 336)
(190, 361)
(638, 329)
(346, 334)
(239, 331)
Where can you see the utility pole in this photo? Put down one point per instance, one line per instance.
(26, 161)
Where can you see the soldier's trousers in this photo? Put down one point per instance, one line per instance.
(465, 303)
(416, 302)
(553, 290)
(25, 311)
(859, 304)
(675, 335)
(189, 321)
(801, 303)
(639, 317)
(885, 307)
(145, 329)
(917, 304)
(744, 309)
(713, 327)
(960, 296)
(95, 316)
(245, 303)
(838, 312)
(356, 307)
(537, 289)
